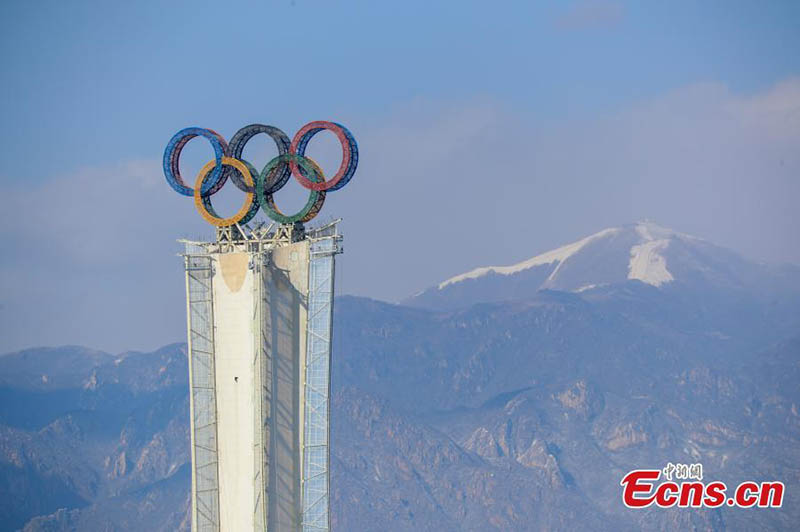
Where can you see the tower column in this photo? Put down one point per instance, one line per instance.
(260, 308)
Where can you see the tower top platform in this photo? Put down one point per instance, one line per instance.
(262, 237)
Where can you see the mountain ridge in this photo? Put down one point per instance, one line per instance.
(641, 252)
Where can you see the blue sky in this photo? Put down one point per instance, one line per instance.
(554, 119)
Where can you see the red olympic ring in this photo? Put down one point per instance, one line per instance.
(300, 140)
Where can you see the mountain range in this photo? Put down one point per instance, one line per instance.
(507, 397)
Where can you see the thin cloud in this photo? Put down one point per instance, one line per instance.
(591, 14)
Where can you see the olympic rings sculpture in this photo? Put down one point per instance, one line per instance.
(259, 188)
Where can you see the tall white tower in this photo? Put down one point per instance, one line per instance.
(260, 307)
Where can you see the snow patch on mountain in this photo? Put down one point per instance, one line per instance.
(588, 287)
(648, 265)
(560, 254)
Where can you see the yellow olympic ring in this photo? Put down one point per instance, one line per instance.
(198, 198)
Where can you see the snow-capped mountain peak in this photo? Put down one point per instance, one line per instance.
(646, 264)
(558, 255)
(644, 251)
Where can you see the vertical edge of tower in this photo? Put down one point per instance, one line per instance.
(261, 389)
(316, 382)
(202, 397)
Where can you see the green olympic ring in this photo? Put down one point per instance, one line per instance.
(264, 192)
